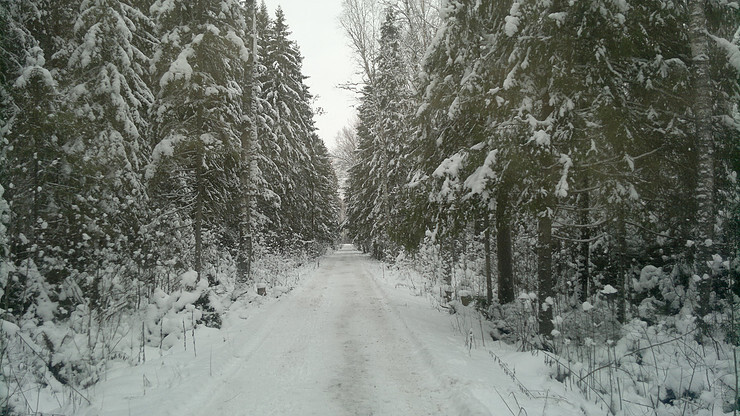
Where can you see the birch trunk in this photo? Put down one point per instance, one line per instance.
(704, 143)
(702, 107)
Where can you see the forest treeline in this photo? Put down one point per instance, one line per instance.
(141, 139)
(569, 166)
(144, 135)
(577, 141)
(564, 146)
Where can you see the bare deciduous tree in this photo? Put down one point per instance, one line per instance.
(360, 20)
(343, 152)
(422, 19)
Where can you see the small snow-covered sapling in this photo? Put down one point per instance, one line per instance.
(470, 340)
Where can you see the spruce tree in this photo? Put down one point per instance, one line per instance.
(362, 184)
(381, 169)
(197, 114)
(106, 92)
(292, 129)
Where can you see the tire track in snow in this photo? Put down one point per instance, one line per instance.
(458, 396)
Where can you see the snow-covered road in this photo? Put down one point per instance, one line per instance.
(353, 338)
(333, 347)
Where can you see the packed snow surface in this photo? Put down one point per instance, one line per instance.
(332, 348)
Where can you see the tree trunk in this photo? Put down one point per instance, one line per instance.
(504, 256)
(584, 271)
(446, 254)
(487, 248)
(198, 216)
(248, 170)
(623, 307)
(544, 274)
(704, 143)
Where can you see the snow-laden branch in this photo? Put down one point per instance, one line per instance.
(732, 50)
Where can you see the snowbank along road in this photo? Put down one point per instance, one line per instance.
(332, 347)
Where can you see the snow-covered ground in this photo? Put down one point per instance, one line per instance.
(350, 340)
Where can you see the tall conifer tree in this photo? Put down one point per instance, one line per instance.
(198, 115)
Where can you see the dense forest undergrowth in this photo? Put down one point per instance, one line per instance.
(661, 360)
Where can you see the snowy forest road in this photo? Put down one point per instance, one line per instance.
(332, 347)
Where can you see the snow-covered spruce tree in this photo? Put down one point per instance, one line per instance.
(413, 23)
(603, 135)
(465, 155)
(381, 170)
(266, 202)
(72, 193)
(287, 95)
(291, 142)
(546, 101)
(197, 115)
(450, 122)
(107, 94)
(588, 95)
(439, 80)
(324, 186)
(15, 38)
(362, 185)
(633, 168)
(494, 161)
(35, 169)
(392, 129)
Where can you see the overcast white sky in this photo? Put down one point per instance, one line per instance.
(327, 59)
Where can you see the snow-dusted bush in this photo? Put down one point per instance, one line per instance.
(168, 315)
(667, 358)
(283, 267)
